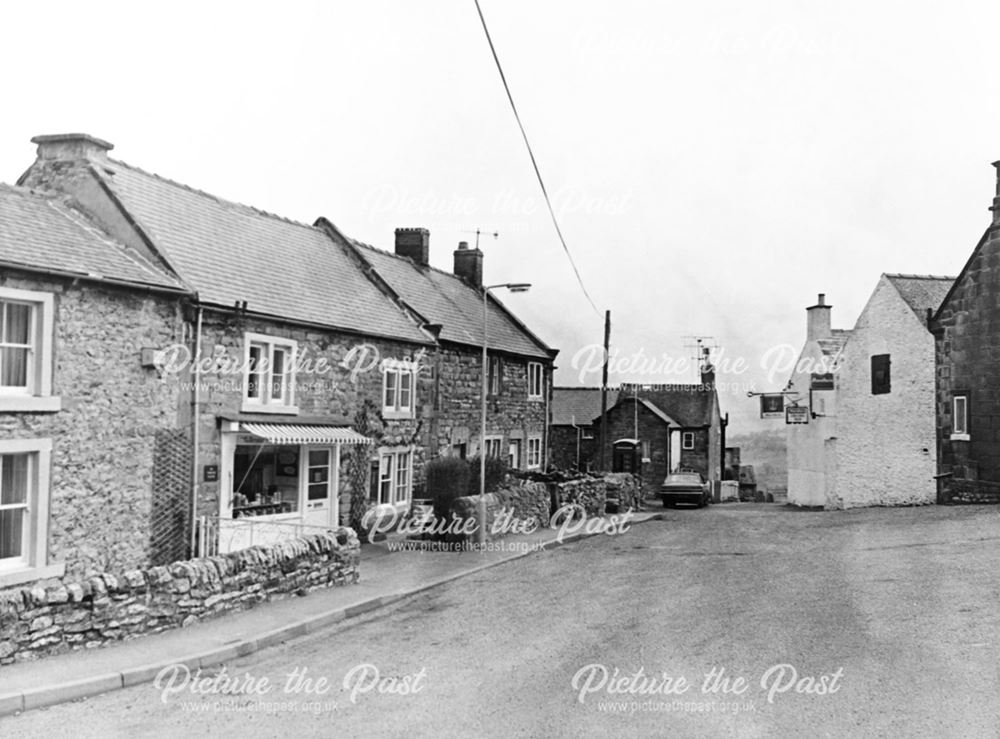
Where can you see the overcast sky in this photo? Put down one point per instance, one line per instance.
(714, 166)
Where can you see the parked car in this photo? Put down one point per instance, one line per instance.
(684, 486)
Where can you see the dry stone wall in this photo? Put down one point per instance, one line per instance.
(38, 621)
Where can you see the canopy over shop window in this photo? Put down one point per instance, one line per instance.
(286, 433)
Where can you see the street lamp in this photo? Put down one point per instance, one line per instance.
(514, 287)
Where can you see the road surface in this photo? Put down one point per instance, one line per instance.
(739, 620)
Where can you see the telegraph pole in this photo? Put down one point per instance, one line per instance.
(604, 388)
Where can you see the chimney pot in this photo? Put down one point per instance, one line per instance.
(414, 243)
(71, 147)
(818, 320)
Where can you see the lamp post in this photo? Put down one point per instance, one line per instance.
(514, 287)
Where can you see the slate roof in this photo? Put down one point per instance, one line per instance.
(39, 231)
(230, 252)
(689, 405)
(443, 298)
(580, 403)
(921, 291)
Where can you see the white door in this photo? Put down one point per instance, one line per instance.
(319, 495)
(675, 449)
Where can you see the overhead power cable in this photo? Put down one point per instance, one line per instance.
(534, 163)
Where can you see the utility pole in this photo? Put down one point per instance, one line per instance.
(604, 389)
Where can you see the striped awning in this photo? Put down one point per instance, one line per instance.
(289, 433)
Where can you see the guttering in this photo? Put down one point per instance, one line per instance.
(101, 279)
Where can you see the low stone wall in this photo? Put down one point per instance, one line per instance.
(532, 501)
(960, 491)
(38, 621)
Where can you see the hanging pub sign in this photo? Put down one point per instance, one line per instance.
(772, 405)
(796, 414)
(821, 381)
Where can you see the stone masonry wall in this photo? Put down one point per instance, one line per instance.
(92, 612)
(967, 339)
(351, 386)
(510, 414)
(531, 501)
(104, 438)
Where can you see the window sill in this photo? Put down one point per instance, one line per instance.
(287, 410)
(960, 437)
(30, 574)
(394, 415)
(30, 403)
(536, 398)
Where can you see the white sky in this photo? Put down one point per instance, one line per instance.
(714, 165)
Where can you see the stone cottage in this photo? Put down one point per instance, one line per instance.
(650, 430)
(86, 419)
(519, 364)
(868, 438)
(574, 435)
(317, 377)
(966, 330)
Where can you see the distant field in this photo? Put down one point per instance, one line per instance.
(765, 450)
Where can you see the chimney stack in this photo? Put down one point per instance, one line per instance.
(996, 199)
(818, 320)
(67, 147)
(469, 264)
(707, 368)
(414, 243)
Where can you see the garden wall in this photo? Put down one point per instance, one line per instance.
(36, 621)
(532, 500)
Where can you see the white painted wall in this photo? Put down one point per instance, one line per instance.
(808, 483)
(886, 443)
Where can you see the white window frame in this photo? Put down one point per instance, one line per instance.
(535, 384)
(398, 374)
(34, 564)
(587, 432)
(494, 372)
(37, 396)
(400, 487)
(960, 431)
(266, 403)
(687, 440)
(533, 455)
(494, 443)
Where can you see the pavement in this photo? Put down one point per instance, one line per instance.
(385, 578)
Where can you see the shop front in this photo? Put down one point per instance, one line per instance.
(279, 480)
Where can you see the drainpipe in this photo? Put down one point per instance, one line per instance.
(545, 427)
(572, 422)
(196, 421)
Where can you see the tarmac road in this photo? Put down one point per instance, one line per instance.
(877, 622)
